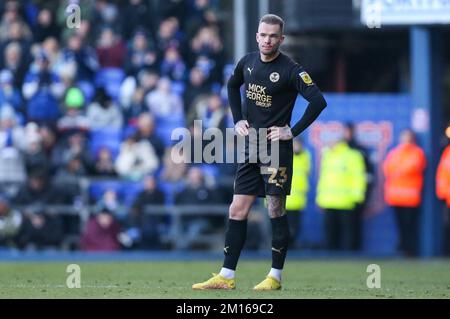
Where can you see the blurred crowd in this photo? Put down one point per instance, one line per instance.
(100, 101)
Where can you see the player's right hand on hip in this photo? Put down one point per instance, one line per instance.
(241, 127)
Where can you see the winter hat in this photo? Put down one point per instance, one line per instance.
(74, 98)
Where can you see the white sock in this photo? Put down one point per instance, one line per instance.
(227, 273)
(275, 273)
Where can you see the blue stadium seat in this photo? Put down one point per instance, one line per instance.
(170, 189)
(129, 191)
(111, 79)
(98, 188)
(88, 90)
(210, 170)
(106, 137)
(128, 130)
(165, 127)
(126, 190)
(178, 87)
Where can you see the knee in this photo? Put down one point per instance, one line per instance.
(237, 211)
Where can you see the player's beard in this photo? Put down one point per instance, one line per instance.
(273, 51)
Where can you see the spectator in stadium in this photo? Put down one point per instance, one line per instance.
(112, 200)
(163, 102)
(142, 228)
(19, 32)
(196, 193)
(17, 52)
(75, 145)
(173, 8)
(12, 164)
(86, 32)
(103, 112)
(104, 163)
(341, 187)
(169, 34)
(57, 63)
(74, 119)
(137, 158)
(16, 61)
(200, 14)
(69, 175)
(139, 15)
(42, 89)
(443, 190)
(150, 195)
(39, 228)
(135, 107)
(10, 223)
(296, 201)
(11, 132)
(105, 13)
(34, 155)
(101, 231)
(213, 114)
(8, 93)
(111, 50)
(11, 13)
(404, 169)
(174, 166)
(207, 53)
(196, 89)
(172, 65)
(46, 26)
(83, 56)
(48, 140)
(39, 191)
(140, 54)
(130, 99)
(146, 130)
(358, 212)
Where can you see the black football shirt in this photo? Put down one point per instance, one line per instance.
(271, 89)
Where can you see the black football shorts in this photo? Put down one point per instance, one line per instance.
(257, 177)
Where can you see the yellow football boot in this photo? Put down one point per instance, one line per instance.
(269, 283)
(215, 282)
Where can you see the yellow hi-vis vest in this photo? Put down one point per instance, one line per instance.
(342, 182)
(301, 166)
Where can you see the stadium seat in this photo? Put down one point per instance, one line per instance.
(165, 127)
(88, 90)
(211, 172)
(98, 188)
(126, 190)
(106, 137)
(170, 189)
(128, 130)
(178, 87)
(129, 191)
(111, 79)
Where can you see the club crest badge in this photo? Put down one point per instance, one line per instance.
(274, 77)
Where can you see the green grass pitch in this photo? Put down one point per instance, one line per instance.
(301, 279)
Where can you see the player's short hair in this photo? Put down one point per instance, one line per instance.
(273, 19)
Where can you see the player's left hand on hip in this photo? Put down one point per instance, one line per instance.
(279, 133)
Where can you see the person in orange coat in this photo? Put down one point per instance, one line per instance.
(443, 192)
(404, 176)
